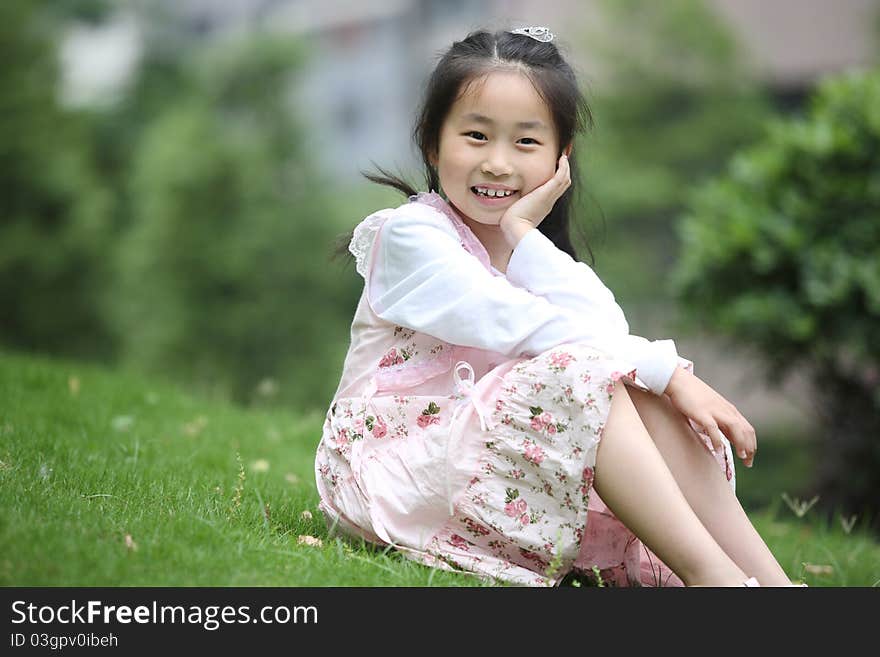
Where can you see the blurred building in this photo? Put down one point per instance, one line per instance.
(370, 58)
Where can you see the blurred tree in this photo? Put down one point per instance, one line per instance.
(782, 254)
(678, 100)
(221, 278)
(55, 223)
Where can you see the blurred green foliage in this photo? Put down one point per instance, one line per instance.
(782, 254)
(56, 218)
(677, 99)
(218, 271)
(174, 232)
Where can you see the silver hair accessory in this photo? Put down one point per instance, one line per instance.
(538, 33)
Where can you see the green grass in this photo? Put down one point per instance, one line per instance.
(107, 479)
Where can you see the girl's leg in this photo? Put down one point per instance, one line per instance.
(704, 486)
(634, 481)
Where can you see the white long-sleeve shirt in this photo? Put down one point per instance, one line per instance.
(423, 279)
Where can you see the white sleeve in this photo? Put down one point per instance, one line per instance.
(539, 266)
(423, 279)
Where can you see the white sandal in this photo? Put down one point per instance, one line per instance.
(751, 581)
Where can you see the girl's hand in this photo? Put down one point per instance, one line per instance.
(533, 208)
(713, 413)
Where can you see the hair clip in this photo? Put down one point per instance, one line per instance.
(538, 33)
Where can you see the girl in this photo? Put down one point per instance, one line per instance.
(492, 390)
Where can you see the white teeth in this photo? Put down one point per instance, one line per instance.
(493, 192)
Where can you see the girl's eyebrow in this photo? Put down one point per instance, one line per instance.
(479, 118)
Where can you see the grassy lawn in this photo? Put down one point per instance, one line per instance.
(107, 479)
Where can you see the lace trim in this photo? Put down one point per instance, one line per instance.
(362, 239)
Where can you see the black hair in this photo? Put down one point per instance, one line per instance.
(471, 59)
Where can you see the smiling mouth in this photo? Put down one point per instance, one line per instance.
(492, 198)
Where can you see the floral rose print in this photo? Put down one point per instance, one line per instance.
(476, 528)
(559, 360)
(523, 518)
(610, 387)
(403, 333)
(379, 429)
(329, 476)
(394, 357)
(587, 479)
(533, 556)
(567, 396)
(617, 375)
(431, 415)
(543, 421)
(458, 542)
(516, 507)
(533, 453)
(539, 418)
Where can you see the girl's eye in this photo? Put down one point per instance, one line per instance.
(474, 132)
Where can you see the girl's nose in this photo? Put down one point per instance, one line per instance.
(496, 166)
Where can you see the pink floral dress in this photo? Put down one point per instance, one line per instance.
(466, 460)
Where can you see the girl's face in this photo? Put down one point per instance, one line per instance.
(499, 135)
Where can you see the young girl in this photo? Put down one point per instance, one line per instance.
(492, 390)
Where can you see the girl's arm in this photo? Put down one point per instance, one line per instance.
(421, 278)
(539, 266)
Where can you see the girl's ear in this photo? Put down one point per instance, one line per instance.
(567, 150)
